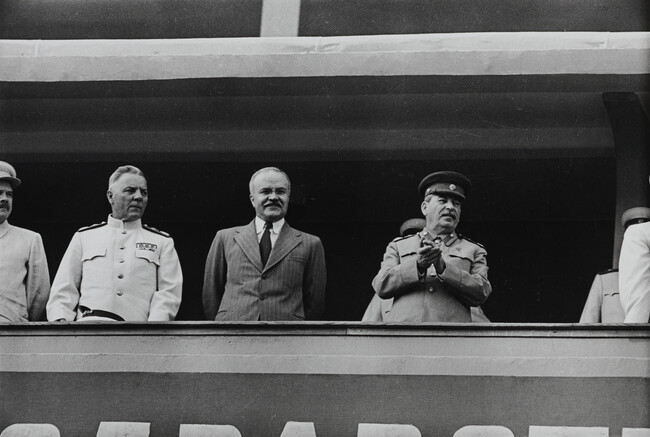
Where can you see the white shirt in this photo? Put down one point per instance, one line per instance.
(275, 231)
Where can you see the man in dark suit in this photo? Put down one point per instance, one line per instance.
(265, 270)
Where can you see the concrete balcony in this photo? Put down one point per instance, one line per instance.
(259, 376)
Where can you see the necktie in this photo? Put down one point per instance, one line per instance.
(265, 243)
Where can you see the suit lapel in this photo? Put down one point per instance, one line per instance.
(288, 239)
(246, 238)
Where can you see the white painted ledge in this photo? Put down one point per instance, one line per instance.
(283, 348)
(461, 54)
(524, 367)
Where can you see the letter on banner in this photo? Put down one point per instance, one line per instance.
(31, 430)
(387, 430)
(483, 431)
(636, 432)
(299, 429)
(567, 431)
(123, 429)
(208, 431)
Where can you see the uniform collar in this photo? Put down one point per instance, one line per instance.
(119, 224)
(4, 228)
(447, 239)
(259, 226)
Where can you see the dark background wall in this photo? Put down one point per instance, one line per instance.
(539, 151)
(135, 19)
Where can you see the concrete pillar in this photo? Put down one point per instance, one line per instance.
(630, 130)
(280, 18)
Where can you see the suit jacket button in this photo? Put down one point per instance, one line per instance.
(263, 276)
(261, 297)
(430, 289)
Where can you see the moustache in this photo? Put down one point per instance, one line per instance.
(273, 203)
(4, 205)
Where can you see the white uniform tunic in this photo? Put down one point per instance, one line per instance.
(24, 277)
(120, 267)
(634, 273)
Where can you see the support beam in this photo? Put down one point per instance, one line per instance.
(280, 18)
(495, 54)
(311, 144)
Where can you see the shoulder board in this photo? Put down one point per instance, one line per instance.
(156, 231)
(407, 245)
(95, 226)
(403, 238)
(470, 240)
(604, 272)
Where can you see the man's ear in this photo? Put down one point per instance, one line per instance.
(109, 196)
(423, 207)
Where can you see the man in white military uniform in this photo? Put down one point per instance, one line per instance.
(603, 303)
(120, 269)
(634, 277)
(24, 277)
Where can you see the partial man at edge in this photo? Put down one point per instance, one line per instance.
(265, 270)
(378, 307)
(435, 275)
(24, 276)
(603, 303)
(634, 273)
(119, 270)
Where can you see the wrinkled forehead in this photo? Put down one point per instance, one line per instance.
(131, 180)
(6, 186)
(270, 179)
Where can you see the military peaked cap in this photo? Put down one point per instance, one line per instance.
(446, 183)
(638, 215)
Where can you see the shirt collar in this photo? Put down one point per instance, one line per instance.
(259, 226)
(4, 228)
(119, 224)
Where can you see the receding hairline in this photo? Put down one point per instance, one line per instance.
(122, 170)
(266, 170)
